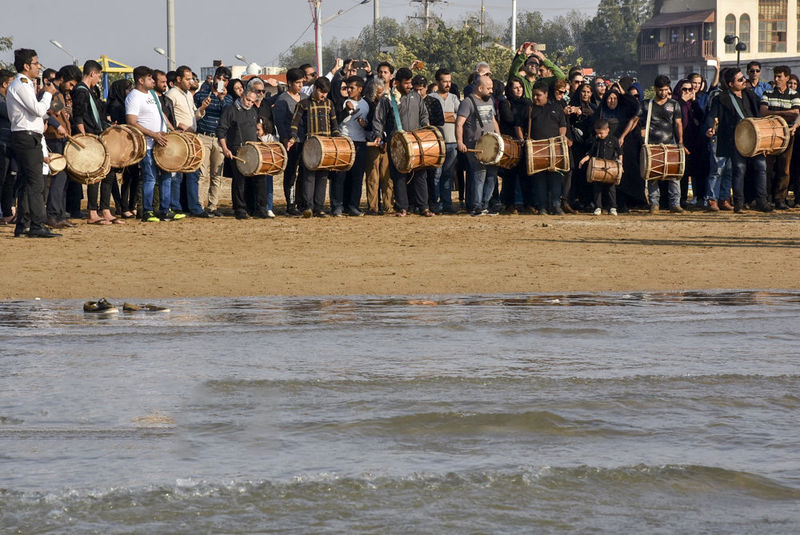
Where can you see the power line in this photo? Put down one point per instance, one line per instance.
(426, 10)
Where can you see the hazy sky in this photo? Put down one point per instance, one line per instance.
(206, 30)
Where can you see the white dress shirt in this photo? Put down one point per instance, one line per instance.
(25, 111)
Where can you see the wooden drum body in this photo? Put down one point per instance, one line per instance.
(261, 158)
(126, 145)
(90, 164)
(322, 153)
(183, 153)
(604, 171)
(663, 162)
(765, 135)
(423, 148)
(551, 154)
(500, 150)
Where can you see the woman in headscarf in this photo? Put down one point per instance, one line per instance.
(582, 125)
(512, 107)
(694, 139)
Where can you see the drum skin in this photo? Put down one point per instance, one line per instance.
(57, 163)
(423, 148)
(126, 145)
(89, 164)
(500, 150)
(261, 158)
(762, 135)
(183, 153)
(551, 154)
(323, 153)
(662, 162)
(604, 171)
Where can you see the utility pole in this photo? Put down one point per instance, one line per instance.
(171, 35)
(483, 11)
(316, 15)
(426, 6)
(514, 25)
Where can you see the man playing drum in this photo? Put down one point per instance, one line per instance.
(785, 103)
(728, 109)
(662, 125)
(143, 112)
(476, 117)
(237, 126)
(412, 114)
(314, 116)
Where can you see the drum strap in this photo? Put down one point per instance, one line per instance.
(530, 119)
(397, 122)
(95, 113)
(477, 111)
(735, 103)
(649, 118)
(158, 105)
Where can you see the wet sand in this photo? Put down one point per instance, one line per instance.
(384, 255)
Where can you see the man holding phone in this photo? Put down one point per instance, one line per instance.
(213, 97)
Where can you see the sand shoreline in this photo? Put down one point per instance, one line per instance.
(446, 255)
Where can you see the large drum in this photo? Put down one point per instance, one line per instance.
(502, 151)
(57, 163)
(89, 164)
(183, 153)
(551, 154)
(322, 153)
(418, 149)
(126, 145)
(765, 135)
(662, 162)
(604, 171)
(257, 158)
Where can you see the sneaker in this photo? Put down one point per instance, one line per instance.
(612, 211)
(178, 215)
(321, 213)
(676, 209)
(337, 212)
(293, 211)
(270, 214)
(150, 217)
(484, 212)
(202, 215)
(476, 213)
(308, 214)
(241, 215)
(597, 211)
(355, 212)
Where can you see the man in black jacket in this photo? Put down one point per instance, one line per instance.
(238, 125)
(730, 107)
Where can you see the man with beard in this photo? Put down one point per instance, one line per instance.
(442, 191)
(476, 117)
(58, 126)
(530, 60)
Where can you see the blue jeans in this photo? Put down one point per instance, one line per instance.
(480, 182)
(270, 191)
(673, 190)
(441, 191)
(718, 185)
(193, 192)
(170, 192)
(149, 172)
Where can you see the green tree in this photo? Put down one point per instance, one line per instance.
(6, 43)
(610, 38)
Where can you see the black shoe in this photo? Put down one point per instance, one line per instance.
(293, 211)
(42, 233)
(355, 212)
(763, 206)
(261, 214)
(241, 215)
(215, 213)
(738, 208)
(780, 205)
(203, 215)
(321, 213)
(21, 231)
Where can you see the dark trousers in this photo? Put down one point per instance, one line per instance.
(778, 173)
(104, 187)
(547, 186)
(130, 195)
(346, 185)
(74, 196)
(757, 180)
(57, 192)
(290, 174)
(257, 187)
(31, 211)
(609, 191)
(255, 193)
(312, 186)
(417, 181)
(5, 173)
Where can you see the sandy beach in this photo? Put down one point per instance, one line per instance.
(384, 255)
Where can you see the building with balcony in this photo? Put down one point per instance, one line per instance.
(683, 35)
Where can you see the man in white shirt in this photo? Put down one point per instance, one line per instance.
(143, 112)
(25, 113)
(186, 116)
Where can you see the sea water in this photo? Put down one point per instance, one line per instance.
(596, 413)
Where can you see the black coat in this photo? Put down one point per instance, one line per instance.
(721, 107)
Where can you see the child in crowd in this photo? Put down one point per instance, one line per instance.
(607, 147)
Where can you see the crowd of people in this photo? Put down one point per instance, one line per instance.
(536, 100)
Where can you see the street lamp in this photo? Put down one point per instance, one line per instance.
(740, 47)
(161, 52)
(60, 46)
(241, 58)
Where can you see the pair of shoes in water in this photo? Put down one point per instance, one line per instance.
(103, 306)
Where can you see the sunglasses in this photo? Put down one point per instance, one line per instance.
(561, 92)
(350, 88)
(261, 91)
(686, 89)
(753, 70)
(739, 80)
